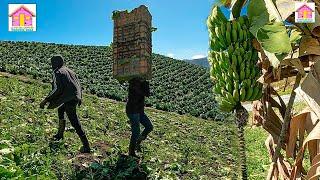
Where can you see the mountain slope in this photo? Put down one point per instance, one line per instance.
(179, 147)
(201, 62)
(177, 86)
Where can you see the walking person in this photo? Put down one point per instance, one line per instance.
(138, 90)
(66, 94)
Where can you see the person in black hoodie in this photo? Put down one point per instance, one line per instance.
(138, 90)
(66, 94)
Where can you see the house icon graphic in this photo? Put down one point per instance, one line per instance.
(305, 12)
(22, 17)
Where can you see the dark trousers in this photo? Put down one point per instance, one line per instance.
(135, 120)
(70, 108)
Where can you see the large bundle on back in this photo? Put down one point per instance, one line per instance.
(132, 44)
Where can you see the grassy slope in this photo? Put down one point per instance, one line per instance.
(177, 85)
(258, 157)
(180, 146)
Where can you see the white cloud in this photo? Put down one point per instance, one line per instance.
(170, 55)
(198, 56)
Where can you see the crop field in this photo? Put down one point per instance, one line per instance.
(180, 146)
(177, 86)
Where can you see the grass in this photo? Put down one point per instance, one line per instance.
(257, 155)
(180, 147)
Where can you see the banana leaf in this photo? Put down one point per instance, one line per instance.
(273, 38)
(268, 27)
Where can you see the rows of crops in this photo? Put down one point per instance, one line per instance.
(176, 85)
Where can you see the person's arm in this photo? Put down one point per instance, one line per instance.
(57, 87)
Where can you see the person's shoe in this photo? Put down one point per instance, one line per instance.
(85, 144)
(84, 149)
(138, 148)
(62, 126)
(132, 148)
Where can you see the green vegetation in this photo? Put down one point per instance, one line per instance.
(177, 86)
(258, 158)
(180, 146)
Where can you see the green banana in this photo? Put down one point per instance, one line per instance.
(234, 60)
(223, 30)
(230, 98)
(245, 45)
(259, 95)
(235, 75)
(242, 51)
(253, 72)
(228, 37)
(236, 84)
(234, 35)
(255, 93)
(249, 55)
(242, 93)
(238, 26)
(226, 106)
(242, 75)
(242, 21)
(245, 35)
(229, 87)
(234, 25)
(228, 26)
(217, 31)
(240, 61)
(240, 35)
(247, 72)
(236, 94)
(243, 67)
(222, 85)
(249, 93)
(230, 49)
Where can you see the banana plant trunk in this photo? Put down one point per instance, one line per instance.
(241, 120)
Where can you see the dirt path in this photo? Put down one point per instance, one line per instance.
(284, 97)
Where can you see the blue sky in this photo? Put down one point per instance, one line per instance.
(181, 33)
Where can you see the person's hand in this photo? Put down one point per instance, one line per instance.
(42, 104)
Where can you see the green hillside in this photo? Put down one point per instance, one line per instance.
(177, 86)
(180, 146)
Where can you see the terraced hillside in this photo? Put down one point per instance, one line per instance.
(177, 86)
(180, 147)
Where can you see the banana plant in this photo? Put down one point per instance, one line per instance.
(281, 42)
(234, 69)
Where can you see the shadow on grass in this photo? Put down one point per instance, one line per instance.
(122, 167)
(101, 164)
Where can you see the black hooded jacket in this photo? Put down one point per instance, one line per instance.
(138, 89)
(65, 87)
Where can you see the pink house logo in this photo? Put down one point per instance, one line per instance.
(305, 12)
(22, 17)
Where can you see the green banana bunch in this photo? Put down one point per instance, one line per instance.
(232, 61)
